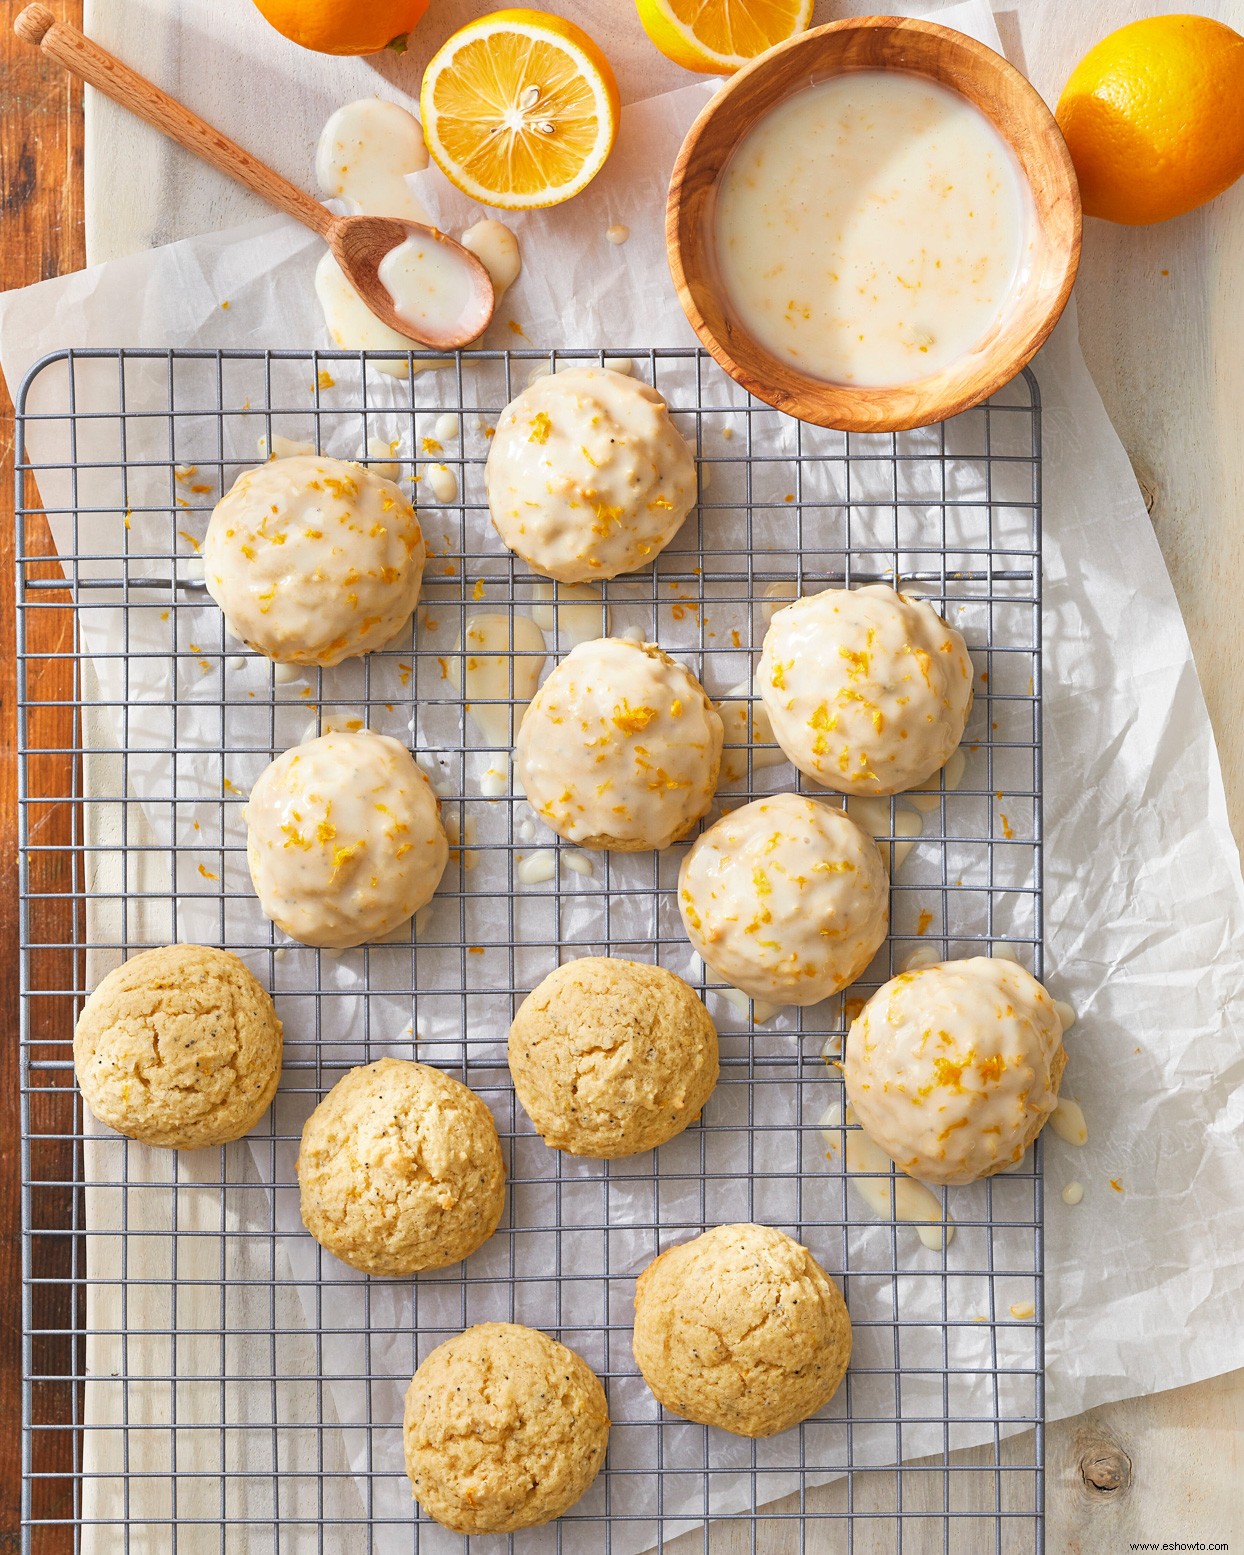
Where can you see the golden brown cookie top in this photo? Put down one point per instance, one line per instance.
(400, 1169)
(741, 1328)
(612, 1057)
(504, 1428)
(179, 1046)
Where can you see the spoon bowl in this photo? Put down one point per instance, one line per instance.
(358, 243)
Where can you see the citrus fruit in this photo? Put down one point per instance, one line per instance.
(1153, 116)
(343, 26)
(719, 36)
(520, 109)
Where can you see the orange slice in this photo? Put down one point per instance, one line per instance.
(719, 36)
(520, 109)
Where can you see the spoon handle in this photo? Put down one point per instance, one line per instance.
(79, 55)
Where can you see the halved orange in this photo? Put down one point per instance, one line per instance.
(520, 109)
(720, 36)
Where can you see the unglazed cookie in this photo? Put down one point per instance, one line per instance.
(741, 1328)
(953, 1069)
(786, 898)
(587, 475)
(179, 1047)
(314, 560)
(344, 839)
(504, 1429)
(611, 1057)
(400, 1169)
(868, 691)
(620, 748)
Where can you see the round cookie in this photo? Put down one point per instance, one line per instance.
(400, 1169)
(612, 1057)
(344, 839)
(314, 560)
(786, 898)
(620, 748)
(180, 1047)
(953, 1069)
(504, 1428)
(587, 476)
(741, 1328)
(868, 691)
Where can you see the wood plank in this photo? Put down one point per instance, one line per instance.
(41, 198)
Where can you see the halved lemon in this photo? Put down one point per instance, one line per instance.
(720, 36)
(520, 109)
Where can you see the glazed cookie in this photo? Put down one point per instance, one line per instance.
(179, 1047)
(741, 1328)
(344, 839)
(314, 560)
(620, 748)
(400, 1169)
(612, 1057)
(868, 691)
(953, 1069)
(504, 1429)
(785, 898)
(587, 475)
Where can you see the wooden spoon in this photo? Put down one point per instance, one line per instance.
(358, 243)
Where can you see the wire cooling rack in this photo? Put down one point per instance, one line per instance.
(199, 1375)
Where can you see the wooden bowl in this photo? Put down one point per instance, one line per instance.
(876, 43)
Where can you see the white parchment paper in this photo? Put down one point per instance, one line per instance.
(1143, 889)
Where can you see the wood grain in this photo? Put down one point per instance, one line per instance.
(41, 191)
(876, 43)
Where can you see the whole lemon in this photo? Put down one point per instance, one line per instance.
(343, 26)
(1153, 116)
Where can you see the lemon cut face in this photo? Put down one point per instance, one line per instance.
(520, 110)
(720, 36)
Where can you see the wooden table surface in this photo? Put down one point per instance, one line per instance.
(1163, 333)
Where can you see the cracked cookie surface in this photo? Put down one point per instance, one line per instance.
(741, 1328)
(400, 1169)
(504, 1428)
(179, 1046)
(612, 1057)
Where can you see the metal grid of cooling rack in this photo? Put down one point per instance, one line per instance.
(198, 1374)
